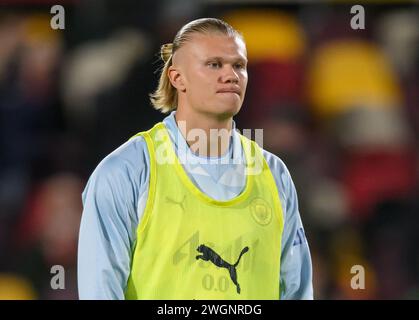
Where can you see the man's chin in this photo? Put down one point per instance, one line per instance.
(220, 111)
(227, 112)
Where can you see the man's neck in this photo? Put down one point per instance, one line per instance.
(206, 135)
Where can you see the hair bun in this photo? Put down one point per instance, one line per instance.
(166, 51)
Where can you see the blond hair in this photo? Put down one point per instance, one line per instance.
(165, 98)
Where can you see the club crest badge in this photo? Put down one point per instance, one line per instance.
(261, 211)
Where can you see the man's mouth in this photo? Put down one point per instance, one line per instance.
(229, 91)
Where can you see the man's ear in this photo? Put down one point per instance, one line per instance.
(175, 78)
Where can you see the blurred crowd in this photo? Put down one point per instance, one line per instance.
(339, 106)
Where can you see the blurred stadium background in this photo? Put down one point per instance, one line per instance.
(339, 106)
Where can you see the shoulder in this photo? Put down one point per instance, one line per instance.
(131, 156)
(124, 168)
(282, 177)
(278, 169)
(276, 164)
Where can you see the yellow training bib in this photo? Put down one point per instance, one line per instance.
(190, 246)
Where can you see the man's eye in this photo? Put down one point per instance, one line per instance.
(214, 64)
(239, 66)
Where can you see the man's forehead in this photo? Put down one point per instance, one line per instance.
(215, 45)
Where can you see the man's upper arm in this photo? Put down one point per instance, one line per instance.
(296, 266)
(109, 222)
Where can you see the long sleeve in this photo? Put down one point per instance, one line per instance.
(115, 193)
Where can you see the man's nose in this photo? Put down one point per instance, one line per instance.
(230, 75)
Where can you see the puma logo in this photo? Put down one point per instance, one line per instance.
(179, 203)
(210, 255)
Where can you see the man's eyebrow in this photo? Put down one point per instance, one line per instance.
(237, 58)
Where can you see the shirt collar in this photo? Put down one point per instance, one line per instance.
(234, 151)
